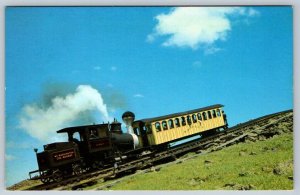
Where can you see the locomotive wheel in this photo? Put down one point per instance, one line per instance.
(44, 178)
(94, 165)
(57, 175)
(77, 170)
(97, 165)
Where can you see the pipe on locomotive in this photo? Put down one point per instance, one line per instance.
(128, 118)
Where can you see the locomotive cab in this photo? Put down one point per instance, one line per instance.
(90, 139)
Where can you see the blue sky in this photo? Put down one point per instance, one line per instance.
(150, 60)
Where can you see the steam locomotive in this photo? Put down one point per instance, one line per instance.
(93, 147)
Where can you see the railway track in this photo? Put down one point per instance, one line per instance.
(241, 132)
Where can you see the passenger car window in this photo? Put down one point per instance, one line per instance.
(199, 116)
(171, 124)
(204, 116)
(214, 114)
(194, 118)
(164, 125)
(177, 124)
(209, 114)
(157, 126)
(218, 112)
(188, 117)
(183, 123)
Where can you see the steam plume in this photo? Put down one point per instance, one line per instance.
(42, 122)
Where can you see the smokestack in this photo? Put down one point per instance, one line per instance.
(128, 118)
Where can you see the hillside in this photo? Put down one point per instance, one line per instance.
(261, 165)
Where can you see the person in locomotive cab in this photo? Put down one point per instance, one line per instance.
(93, 134)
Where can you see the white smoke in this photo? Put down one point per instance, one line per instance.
(42, 123)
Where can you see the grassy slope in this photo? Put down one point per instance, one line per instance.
(263, 165)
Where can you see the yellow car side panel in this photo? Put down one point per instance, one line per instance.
(168, 135)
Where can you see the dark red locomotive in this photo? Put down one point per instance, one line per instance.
(88, 147)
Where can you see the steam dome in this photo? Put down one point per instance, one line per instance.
(128, 117)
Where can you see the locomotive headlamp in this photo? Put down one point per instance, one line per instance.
(35, 150)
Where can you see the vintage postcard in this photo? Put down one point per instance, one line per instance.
(149, 98)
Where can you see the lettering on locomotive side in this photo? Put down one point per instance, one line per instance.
(64, 155)
(98, 144)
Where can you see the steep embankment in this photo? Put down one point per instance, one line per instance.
(260, 165)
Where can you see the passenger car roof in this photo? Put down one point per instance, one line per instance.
(179, 113)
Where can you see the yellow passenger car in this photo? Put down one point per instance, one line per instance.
(174, 127)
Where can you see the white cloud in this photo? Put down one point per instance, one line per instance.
(42, 123)
(138, 95)
(196, 26)
(10, 157)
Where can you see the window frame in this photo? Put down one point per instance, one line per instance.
(219, 113)
(176, 120)
(166, 125)
(214, 114)
(183, 121)
(194, 118)
(199, 116)
(157, 128)
(189, 119)
(209, 114)
(171, 126)
(204, 116)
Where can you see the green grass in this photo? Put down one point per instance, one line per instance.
(263, 165)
